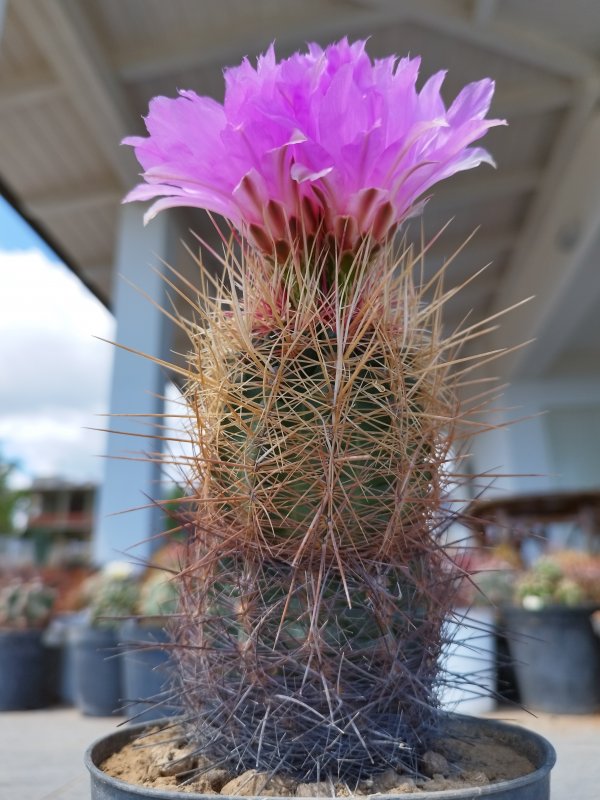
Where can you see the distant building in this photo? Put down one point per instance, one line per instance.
(61, 512)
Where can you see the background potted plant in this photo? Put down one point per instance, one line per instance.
(108, 596)
(25, 666)
(323, 410)
(550, 633)
(66, 579)
(145, 657)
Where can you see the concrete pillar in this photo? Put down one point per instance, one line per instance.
(138, 384)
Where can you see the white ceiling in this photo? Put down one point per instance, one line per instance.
(75, 77)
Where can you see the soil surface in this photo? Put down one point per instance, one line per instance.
(161, 759)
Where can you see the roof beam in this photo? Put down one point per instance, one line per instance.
(564, 151)
(554, 246)
(67, 40)
(484, 11)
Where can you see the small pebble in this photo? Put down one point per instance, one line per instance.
(248, 783)
(385, 781)
(177, 762)
(434, 764)
(342, 790)
(476, 778)
(216, 778)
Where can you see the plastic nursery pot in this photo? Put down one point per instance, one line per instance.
(96, 670)
(556, 658)
(145, 669)
(24, 670)
(535, 786)
(56, 639)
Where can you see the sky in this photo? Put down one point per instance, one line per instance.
(54, 375)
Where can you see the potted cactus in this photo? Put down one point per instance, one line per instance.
(108, 596)
(25, 668)
(550, 629)
(324, 415)
(68, 581)
(145, 656)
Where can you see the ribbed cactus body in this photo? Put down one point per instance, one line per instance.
(313, 606)
(316, 441)
(285, 674)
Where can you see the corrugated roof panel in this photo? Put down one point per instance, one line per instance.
(91, 233)
(17, 171)
(464, 60)
(99, 227)
(18, 53)
(138, 21)
(526, 142)
(222, 34)
(465, 63)
(45, 149)
(84, 158)
(207, 81)
(576, 22)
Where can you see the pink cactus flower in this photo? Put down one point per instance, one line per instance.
(327, 143)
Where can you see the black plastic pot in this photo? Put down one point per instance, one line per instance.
(535, 786)
(56, 639)
(556, 658)
(25, 669)
(145, 671)
(96, 670)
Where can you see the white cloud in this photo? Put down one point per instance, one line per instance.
(54, 376)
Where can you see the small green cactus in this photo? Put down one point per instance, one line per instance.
(25, 604)
(547, 583)
(568, 593)
(109, 596)
(495, 585)
(158, 596)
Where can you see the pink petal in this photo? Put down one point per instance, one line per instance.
(302, 173)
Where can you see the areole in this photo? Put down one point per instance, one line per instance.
(534, 786)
